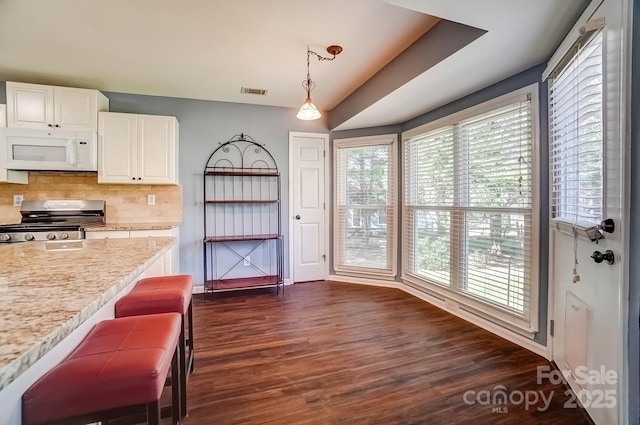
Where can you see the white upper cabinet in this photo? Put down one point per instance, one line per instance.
(137, 149)
(50, 107)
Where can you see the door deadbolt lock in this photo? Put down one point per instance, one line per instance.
(608, 256)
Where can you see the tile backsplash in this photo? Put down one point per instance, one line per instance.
(125, 203)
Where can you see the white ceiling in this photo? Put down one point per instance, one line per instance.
(209, 49)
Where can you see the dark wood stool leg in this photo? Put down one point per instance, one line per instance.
(182, 382)
(153, 413)
(176, 383)
(190, 341)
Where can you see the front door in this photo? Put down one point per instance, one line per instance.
(587, 306)
(308, 211)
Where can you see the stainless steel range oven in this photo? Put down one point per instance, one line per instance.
(54, 220)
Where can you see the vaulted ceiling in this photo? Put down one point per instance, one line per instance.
(401, 58)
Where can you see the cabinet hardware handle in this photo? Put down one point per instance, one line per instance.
(133, 178)
(50, 125)
(57, 125)
(139, 178)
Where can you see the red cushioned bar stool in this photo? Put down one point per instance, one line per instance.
(117, 371)
(165, 294)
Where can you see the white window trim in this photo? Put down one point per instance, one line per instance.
(385, 139)
(458, 300)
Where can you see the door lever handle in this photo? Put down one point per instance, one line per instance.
(608, 256)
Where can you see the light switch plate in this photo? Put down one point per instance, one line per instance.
(17, 200)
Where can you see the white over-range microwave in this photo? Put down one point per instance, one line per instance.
(55, 150)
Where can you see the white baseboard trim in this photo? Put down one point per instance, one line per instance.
(487, 325)
(366, 281)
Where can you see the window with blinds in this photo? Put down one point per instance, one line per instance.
(468, 213)
(576, 135)
(365, 206)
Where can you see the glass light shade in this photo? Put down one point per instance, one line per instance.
(308, 111)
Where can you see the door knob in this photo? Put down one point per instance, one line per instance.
(298, 217)
(608, 256)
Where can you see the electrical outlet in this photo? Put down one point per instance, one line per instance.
(151, 199)
(247, 260)
(17, 200)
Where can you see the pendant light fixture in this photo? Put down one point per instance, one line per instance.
(308, 110)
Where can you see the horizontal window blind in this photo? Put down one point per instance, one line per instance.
(365, 207)
(495, 191)
(429, 169)
(576, 136)
(468, 208)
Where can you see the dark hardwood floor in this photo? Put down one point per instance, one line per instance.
(336, 353)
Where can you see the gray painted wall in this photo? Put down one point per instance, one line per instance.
(203, 124)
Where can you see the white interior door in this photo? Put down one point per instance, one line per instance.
(589, 315)
(308, 206)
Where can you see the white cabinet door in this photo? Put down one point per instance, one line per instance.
(48, 107)
(74, 109)
(29, 105)
(171, 260)
(157, 149)
(117, 148)
(137, 149)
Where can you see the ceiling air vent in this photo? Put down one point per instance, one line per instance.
(247, 90)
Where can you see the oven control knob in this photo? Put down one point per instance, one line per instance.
(51, 236)
(28, 237)
(5, 238)
(64, 236)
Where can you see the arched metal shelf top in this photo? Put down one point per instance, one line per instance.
(241, 155)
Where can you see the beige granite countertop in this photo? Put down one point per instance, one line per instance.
(47, 289)
(132, 226)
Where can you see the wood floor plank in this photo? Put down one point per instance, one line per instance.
(336, 353)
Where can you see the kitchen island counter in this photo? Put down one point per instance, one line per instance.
(49, 289)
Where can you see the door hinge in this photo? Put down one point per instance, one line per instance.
(324, 205)
(324, 257)
(552, 327)
(324, 154)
